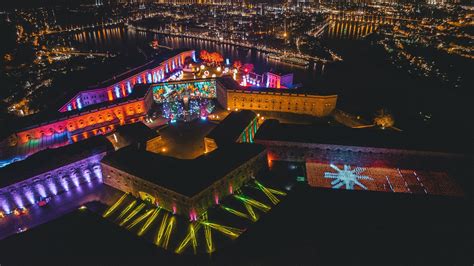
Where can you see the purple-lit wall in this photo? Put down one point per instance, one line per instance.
(49, 184)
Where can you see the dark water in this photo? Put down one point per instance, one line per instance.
(122, 39)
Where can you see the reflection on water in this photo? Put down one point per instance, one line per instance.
(121, 39)
(348, 30)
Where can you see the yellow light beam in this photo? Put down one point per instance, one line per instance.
(270, 192)
(161, 230)
(251, 212)
(227, 230)
(129, 207)
(190, 237)
(236, 212)
(149, 221)
(114, 206)
(140, 218)
(208, 236)
(133, 213)
(254, 203)
(193, 238)
(269, 195)
(278, 192)
(169, 230)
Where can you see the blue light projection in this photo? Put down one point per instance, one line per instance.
(117, 92)
(347, 176)
(79, 105)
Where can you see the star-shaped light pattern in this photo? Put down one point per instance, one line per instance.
(347, 176)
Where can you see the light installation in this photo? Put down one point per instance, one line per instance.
(227, 230)
(254, 203)
(138, 212)
(129, 207)
(149, 221)
(270, 193)
(190, 238)
(161, 230)
(117, 92)
(115, 206)
(347, 177)
(208, 236)
(133, 213)
(167, 92)
(140, 218)
(235, 212)
(79, 104)
(188, 101)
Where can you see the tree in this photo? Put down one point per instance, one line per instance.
(248, 68)
(216, 58)
(237, 64)
(204, 55)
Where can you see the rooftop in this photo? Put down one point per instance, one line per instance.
(158, 60)
(135, 132)
(184, 176)
(51, 159)
(273, 130)
(231, 127)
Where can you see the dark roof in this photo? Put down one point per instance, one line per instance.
(306, 91)
(273, 130)
(152, 64)
(121, 73)
(136, 132)
(186, 177)
(231, 127)
(229, 83)
(51, 159)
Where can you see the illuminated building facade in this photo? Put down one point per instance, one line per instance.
(279, 100)
(186, 187)
(61, 129)
(92, 112)
(100, 110)
(24, 183)
(122, 85)
(277, 81)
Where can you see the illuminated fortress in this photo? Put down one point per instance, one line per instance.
(100, 136)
